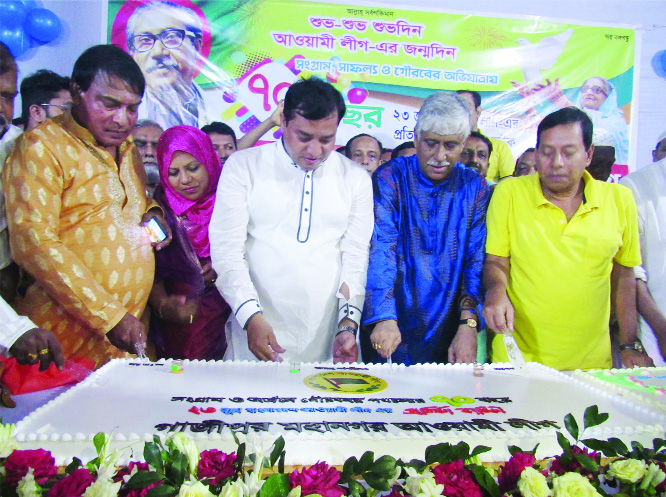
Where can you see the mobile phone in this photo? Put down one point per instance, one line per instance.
(155, 231)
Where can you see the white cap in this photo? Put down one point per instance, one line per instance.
(602, 138)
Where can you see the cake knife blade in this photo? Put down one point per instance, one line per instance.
(513, 351)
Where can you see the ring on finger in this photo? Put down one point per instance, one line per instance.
(32, 356)
(377, 346)
(44, 352)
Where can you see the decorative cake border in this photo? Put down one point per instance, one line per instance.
(380, 442)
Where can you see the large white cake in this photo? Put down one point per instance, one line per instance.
(328, 412)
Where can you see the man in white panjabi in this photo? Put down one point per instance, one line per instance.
(289, 237)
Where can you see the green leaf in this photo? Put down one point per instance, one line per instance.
(240, 458)
(587, 462)
(618, 446)
(349, 468)
(74, 465)
(479, 449)
(385, 465)
(162, 490)
(278, 447)
(142, 479)
(177, 470)
(571, 426)
(417, 464)
(438, 453)
(564, 442)
(658, 444)
(153, 456)
(355, 489)
(484, 479)
(593, 417)
(600, 446)
(98, 442)
(277, 485)
(377, 481)
(281, 462)
(514, 449)
(365, 462)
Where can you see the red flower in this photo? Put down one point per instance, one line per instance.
(74, 485)
(216, 466)
(458, 481)
(510, 472)
(318, 479)
(559, 469)
(19, 461)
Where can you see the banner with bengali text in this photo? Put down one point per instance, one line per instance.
(385, 61)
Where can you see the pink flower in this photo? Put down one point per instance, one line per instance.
(216, 466)
(510, 473)
(73, 485)
(559, 469)
(19, 461)
(458, 481)
(318, 479)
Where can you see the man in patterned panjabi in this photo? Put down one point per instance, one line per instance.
(76, 202)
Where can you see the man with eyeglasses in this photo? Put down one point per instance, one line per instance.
(44, 95)
(165, 41)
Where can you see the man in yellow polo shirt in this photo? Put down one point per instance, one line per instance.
(553, 239)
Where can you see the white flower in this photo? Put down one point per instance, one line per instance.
(194, 488)
(107, 466)
(261, 447)
(422, 485)
(252, 484)
(102, 487)
(653, 477)
(627, 470)
(7, 442)
(27, 487)
(394, 480)
(184, 443)
(533, 484)
(232, 489)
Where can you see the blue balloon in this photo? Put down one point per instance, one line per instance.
(16, 41)
(12, 14)
(43, 25)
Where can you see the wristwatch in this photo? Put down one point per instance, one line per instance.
(635, 345)
(350, 329)
(471, 322)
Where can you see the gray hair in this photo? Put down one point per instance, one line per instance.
(607, 87)
(179, 12)
(444, 113)
(145, 123)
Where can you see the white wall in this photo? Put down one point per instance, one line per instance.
(89, 17)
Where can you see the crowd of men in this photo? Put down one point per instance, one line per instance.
(408, 253)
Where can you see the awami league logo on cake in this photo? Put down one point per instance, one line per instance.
(345, 382)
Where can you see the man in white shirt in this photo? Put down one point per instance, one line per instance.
(26, 342)
(649, 187)
(289, 237)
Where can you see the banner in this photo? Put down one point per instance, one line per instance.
(236, 60)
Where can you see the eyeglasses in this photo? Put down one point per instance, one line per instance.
(597, 90)
(170, 38)
(64, 107)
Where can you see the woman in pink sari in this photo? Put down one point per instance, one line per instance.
(188, 311)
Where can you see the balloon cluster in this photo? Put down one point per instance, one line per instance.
(23, 27)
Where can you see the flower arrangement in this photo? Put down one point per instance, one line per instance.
(175, 468)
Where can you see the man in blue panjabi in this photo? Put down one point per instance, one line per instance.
(423, 291)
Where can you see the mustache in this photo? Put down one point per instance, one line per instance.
(436, 163)
(161, 64)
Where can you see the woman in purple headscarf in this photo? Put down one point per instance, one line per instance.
(188, 311)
